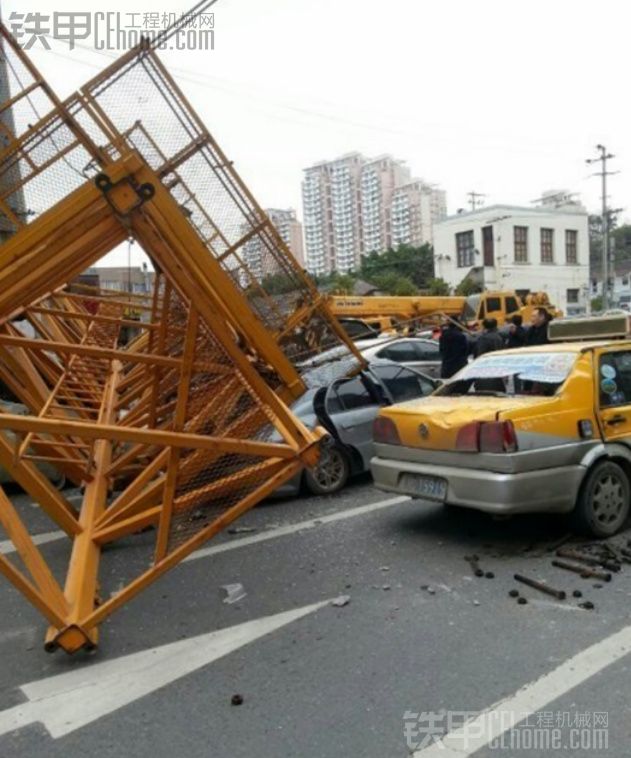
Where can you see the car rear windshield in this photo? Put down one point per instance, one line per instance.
(498, 373)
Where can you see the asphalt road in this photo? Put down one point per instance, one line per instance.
(420, 635)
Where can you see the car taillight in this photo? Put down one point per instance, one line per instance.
(468, 439)
(385, 431)
(487, 437)
(510, 438)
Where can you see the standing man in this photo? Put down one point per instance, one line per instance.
(490, 339)
(538, 332)
(454, 348)
(516, 332)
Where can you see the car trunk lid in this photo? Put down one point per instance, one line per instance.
(433, 423)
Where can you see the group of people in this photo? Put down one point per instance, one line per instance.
(455, 346)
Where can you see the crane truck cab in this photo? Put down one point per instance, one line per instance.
(502, 306)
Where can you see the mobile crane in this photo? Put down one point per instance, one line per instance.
(392, 313)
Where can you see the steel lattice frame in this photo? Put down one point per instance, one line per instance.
(185, 426)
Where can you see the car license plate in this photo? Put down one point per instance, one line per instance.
(431, 487)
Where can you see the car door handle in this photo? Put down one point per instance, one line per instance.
(617, 419)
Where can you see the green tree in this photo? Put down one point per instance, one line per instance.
(394, 284)
(621, 242)
(413, 263)
(467, 287)
(597, 304)
(619, 239)
(342, 284)
(278, 284)
(437, 287)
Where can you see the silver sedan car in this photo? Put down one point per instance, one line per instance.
(414, 352)
(346, 408)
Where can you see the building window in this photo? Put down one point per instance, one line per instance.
(571, 236)
(547, 239)
(572, 296)
(625, 281)
(521, 244)
(464, 249)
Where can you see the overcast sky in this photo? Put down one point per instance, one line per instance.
(504, 98)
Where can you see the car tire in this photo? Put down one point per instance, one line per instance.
(331, 473)
(602, 506)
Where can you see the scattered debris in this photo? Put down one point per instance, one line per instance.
(541, 586)
(473, 561)
(588, 559)
(521, 601)
(597, 586)
(386, 587)
(490, 575)
(384, 568)
(587, 605)
(513, 593)
(583, 571)
(236, 700)
(476, 602)
(234, 593)
(577, 593)
(341, 601)
(431, 590)
(197, 515)
(242, 529)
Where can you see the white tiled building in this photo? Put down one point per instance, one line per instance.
(507, 247)
(354, 205)
(259, 260)
(416, 207)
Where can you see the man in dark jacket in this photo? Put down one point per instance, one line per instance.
(490, 339)
(538, 332)
(516, 333)
(454, 347)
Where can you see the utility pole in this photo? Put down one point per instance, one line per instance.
(602, 158)
(473, 199)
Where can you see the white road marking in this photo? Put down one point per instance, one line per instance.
(69, 701)
(7, 546)
(561, 606)
(504, 715)
(301, 526)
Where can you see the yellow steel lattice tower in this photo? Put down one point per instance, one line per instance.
(185, 426)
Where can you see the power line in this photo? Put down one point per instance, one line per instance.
(473, 199)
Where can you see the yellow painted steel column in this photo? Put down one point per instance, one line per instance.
(81, 582)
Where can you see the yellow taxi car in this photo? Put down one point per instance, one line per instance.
(537, 429)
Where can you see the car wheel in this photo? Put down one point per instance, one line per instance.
(331, 473)
(603, 503)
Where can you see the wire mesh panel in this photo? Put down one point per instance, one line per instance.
(151, 116)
